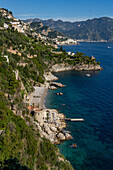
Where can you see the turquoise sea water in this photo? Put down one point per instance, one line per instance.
(90, 98)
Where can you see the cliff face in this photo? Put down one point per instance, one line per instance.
(87, 67)
(77, 67)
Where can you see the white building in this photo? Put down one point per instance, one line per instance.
(18, 26)
(71, 53)
(46, 115)
(5, 26)
(6, 56)
(15, 23)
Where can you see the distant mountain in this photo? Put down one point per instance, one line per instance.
(97, 29)
(46, 30)
(43, 29)
(32, 20)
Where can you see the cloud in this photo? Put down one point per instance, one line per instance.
(71, 19)
(74, 19)
(48, 16)
(53, 16)
(34, 16)
(25, 15)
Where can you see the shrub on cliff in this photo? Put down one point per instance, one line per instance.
(22, 147)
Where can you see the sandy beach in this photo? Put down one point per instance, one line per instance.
(50, 123)
(36, 98)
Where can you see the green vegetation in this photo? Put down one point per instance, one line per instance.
(8, 82)
(78, 58)
(39, 28)
(96, 29)
(81, 58)
(23, 61)
(4, 20)
(21, 145)
(31, 57)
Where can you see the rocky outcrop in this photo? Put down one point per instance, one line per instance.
(55, 84)
(61, 67)
(68, 136)
(52, 87)
(54, 129)
(47, 129)
(93, 58)
(50, 77)
(86, 67)
(53, 132)
(61, 136)
(77, 67)
(59, 94)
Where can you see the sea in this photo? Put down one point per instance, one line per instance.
(90, 98)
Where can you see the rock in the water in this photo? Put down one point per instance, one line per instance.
(59, 93)
(93, 58)
(52, 87)
(56, 84)
(61, 136)
(68, 136)
(56, 141)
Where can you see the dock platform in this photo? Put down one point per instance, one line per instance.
(74, 120)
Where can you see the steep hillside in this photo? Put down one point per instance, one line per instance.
(97, 29)
(45, 30)
(24, 58)
(22, 64)
(53, 35)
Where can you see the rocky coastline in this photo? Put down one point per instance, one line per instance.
(50, 123)
(77, 67)
(51, 127)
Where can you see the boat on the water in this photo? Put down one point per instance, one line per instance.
(88, 75)
(74, 145)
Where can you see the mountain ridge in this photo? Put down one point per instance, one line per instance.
(96, 29)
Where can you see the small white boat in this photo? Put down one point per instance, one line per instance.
(109, 47)
(88, 75)
(73, 145)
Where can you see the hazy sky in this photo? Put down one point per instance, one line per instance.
(72, 10)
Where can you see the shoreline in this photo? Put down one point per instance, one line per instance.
(84, 67)
(36, 98)
(50, 122)
(42, 101)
